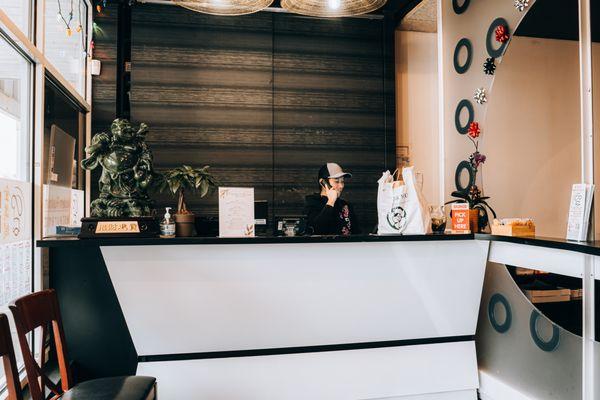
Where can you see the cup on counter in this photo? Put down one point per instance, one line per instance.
(438, 218)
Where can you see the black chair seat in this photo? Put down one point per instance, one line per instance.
(114, 388)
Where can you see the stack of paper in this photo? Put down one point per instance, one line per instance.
(579, 211)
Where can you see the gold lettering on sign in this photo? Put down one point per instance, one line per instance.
(117, 227)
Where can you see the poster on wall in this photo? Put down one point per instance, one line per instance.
(15, 240)
(15, 211)
(236, 212)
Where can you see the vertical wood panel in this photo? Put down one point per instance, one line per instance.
(329, 107)
(203, 84)
(104, 86)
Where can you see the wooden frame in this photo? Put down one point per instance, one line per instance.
(41, 310)
(7, 353)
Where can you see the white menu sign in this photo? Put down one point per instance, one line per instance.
(236, 212)
(15, 240)
(579, 211)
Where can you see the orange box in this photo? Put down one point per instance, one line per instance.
(460, 218)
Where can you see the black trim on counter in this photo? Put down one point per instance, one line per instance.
(592, 248)
(303, 349)
(75, 242)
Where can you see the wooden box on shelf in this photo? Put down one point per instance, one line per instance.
(513, 227)
(576, 294)
(548, 296)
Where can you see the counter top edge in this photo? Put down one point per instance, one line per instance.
(73, 241)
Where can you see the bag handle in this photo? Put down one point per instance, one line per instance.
(397, 178)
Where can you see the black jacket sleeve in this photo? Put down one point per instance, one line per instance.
(321, 218)
(355, 224)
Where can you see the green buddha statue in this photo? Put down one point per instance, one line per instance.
(127, 171)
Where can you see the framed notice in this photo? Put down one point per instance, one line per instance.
(236, 212)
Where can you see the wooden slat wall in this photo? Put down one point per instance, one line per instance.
(204, 86)
(104, 86)
(264, 99)
(329, 107)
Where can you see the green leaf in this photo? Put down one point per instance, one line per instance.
(204, 188)
(197, 181)
(174, 185)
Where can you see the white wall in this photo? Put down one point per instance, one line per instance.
(532, 136)
(417, 105)
(530, 131)
(472, 24)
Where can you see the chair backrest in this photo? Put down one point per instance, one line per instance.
(41, 310)
(7, 353)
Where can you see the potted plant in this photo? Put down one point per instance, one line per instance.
(181, 180)
(478, 206)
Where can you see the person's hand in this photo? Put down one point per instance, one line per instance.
(332, 196)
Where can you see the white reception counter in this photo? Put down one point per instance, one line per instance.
(365, 318)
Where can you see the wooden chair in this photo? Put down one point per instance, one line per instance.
(41, 309)
(7, 353)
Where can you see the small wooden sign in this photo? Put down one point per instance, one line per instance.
(119, 227)
(460, 218)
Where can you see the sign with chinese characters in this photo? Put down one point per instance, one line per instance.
(15, 240)
(236, 212)
(117, 227)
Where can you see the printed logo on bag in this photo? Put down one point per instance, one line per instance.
(396, 218)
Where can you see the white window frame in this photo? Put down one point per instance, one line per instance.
(42, 66)
(33, 49)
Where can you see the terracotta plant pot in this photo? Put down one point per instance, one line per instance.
(184, 225)
(474, 220)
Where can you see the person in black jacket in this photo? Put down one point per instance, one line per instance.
(327, 213)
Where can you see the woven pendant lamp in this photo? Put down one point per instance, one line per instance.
(332, 8)
(224, 7)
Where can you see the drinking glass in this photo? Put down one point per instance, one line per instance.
(438, 218)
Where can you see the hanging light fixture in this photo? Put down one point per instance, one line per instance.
(224, 7)
(332, 8)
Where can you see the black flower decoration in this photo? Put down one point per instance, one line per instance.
(489, 67)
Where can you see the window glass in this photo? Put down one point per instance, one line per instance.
(15, 183)
(63, 177)
(19, 11)
(66, 39)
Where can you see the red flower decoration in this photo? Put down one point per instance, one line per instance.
(474, 130)
(501, 34)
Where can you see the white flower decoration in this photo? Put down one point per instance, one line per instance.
(480, 96)
(521, 5)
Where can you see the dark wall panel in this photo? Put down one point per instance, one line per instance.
(329, 107)
(203, 84)
(264, 99)
(104, 86)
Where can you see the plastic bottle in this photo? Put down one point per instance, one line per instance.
(167, 225)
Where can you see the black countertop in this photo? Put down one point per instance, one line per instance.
(73, 241)
(592, 248)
